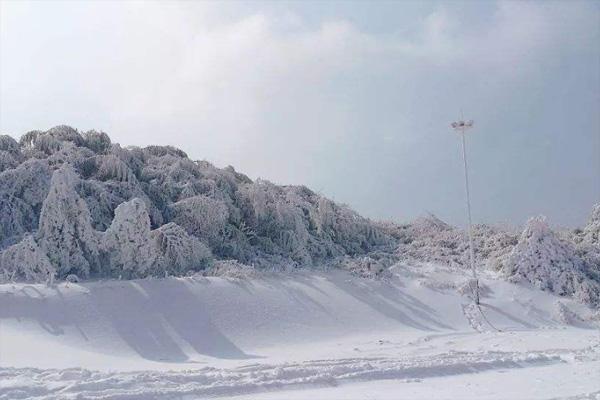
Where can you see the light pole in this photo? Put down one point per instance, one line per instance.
(461, 127)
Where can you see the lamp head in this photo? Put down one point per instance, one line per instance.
(462, 125)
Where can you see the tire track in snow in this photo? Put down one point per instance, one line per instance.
(77, 383)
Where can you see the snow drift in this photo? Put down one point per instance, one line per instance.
(199, 337)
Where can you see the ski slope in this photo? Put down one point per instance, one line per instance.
(302, 335)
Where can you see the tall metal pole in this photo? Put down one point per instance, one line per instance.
(471, 251)
(461, 126)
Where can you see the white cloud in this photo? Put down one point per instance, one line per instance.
(262, 90)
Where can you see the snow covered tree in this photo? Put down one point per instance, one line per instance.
(203, 217)
(178, 252)
(257, 223)
(127, 243)
(25, 261)
(591, 232)
(65, 134)
(429, 239)
(65, 231)
(10, 153)
(549, 263)
(99, 142)
(111, 168)
(587, 242)
(22, 191)
(9, 144)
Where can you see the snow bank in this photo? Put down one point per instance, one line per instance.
(182, 321)
(212, 336)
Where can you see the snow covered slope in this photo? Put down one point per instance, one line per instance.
(197, 336)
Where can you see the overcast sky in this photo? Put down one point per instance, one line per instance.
(353, 99)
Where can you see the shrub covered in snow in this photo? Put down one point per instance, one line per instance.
(203, 217)
(98, 142)
(366, 266)
(587, 241)
(231, 269)
(428, 239)
(549, 263)
(591, 232)
(25, 261)
(178, 252)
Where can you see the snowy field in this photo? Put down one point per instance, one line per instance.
(317, 335)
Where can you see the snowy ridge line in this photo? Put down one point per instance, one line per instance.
(78, 383)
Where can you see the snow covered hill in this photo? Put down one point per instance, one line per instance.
(327, 331)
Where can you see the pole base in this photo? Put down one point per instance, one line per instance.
(474, 285)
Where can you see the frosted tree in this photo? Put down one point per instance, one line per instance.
(279, 226)
(39, 144)
(178, 252)
(65, 134)
(25, 261)
(588, 243)
(127, 243)
(203, 217)
(549, 263)
(10, 153)
(253, 222)
(323, 217)
(429, 239)
(7, 143)
(65, 231)
(110, 167)
(591, 232)
(22, 191)
(99, 142)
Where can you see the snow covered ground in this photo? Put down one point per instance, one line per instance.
(304, 335)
